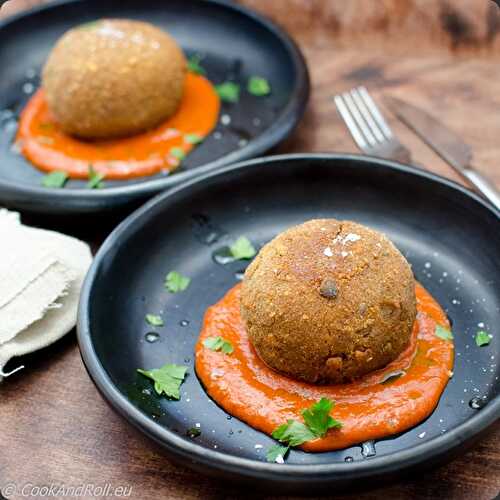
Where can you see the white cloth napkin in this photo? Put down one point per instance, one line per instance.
(41, 273)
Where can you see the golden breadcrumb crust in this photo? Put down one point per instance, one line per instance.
(328, 301)
(113, 78)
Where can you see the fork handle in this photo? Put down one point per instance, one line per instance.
(483, 185)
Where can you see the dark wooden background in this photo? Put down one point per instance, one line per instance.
(441, 55)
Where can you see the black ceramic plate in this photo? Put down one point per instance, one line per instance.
(234, 43)
(449, 235)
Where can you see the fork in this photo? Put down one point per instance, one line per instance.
(368, 127)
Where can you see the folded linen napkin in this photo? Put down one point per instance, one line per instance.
(31, 280)
(34, 300)
(41, 273)
(8, 217)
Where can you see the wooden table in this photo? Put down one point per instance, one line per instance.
(55, 428)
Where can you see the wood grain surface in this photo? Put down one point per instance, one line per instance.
(440, 55)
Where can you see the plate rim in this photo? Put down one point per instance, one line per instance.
(275, 134)
(196, 454)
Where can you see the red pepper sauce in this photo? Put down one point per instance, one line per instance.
(45, 145)
(248, 389)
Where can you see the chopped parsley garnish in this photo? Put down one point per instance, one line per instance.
(194, 65)
(46, 126)
(167, 379)
(277, 453)
(177, 153)
(193, 138)
(154, 319)
(89, 25)
(317, 422)
(193, 432)
(242, 248)
(176, 282)
(318, 418)
(443, 333)
(228, 92)
(219, 344)
(258, 86)
(95, 179)
(482, 338)
(293, 433)
(56, 179)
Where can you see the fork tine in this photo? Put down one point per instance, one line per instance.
(375, 113)
(365, 112)
(349, 121)
(351, 106)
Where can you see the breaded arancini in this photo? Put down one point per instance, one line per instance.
(328, 301)
(113, 78)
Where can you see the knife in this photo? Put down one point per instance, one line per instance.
(446, 144)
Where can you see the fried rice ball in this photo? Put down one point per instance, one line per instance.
(328, 301)
(113, 78)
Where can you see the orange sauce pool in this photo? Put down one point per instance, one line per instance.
(50, 149)
(248, 389)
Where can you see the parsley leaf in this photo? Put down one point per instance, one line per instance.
(193, 138)
(258, 86)
(443, 333)
(482, 338)
(89, 25)
(46, 126)
(219, 344)
(276, 453)
(228, 92)
(167, 379)
(293, 433)
(242, 248)
(176, 282)
(194, 65)
(154, 319)
(95, 179)
(318, 418)
(317, 422)
(177, 153)
(193, 432)
(56, 179)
